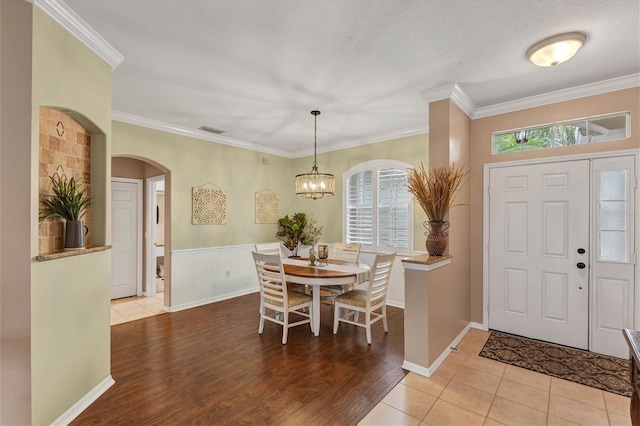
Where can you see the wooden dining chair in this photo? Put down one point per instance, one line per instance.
(275, 248)
(268, 248)
(276, 298)
(374, 298)
(348, 253)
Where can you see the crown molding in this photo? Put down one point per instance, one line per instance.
(454, 92)
(136, 120)
(61, 13)
(368, 140)
(124, 117)
(598, 88)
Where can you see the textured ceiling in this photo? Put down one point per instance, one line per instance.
(255, 68)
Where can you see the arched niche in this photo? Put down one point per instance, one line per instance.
(71, 143)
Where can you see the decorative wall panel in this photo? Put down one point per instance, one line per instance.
(209, 205)
(267, 205)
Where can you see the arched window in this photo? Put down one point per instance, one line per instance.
(377, 208)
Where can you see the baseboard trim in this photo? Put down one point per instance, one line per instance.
(207, 301)
(82, 404)
(415, 368)
(479, 326)
(429, 371)
(395, 304)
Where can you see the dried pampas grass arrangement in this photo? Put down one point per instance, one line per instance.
(436, 189)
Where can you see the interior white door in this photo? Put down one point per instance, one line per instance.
(613, 257)
(539, 221)
(125, 211)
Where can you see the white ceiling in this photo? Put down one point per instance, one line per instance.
(256, 68)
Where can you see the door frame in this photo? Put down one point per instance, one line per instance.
(485, 219)
(150, 233)
(138, 184)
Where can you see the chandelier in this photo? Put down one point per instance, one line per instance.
(314, 184)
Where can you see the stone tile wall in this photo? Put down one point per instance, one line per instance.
(65, 147)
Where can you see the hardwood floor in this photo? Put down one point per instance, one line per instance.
(209, 365)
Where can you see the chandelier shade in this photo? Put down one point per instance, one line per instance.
(314, 184)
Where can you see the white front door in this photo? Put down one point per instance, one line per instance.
(538, 251)
(126, 253)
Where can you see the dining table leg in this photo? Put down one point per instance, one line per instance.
(316, 309)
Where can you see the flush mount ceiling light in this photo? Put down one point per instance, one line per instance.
(555, 50)
(314, 184)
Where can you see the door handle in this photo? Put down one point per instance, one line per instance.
(581, 265)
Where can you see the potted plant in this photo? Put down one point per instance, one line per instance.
(312, 234)
(69, 201)
(297, 231)
(435, 190)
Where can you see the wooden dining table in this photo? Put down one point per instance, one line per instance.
(335, 272)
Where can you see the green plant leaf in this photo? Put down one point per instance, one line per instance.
(69, 200)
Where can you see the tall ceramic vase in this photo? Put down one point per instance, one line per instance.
(74, 232)
(437, 233)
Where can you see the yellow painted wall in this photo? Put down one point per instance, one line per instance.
(194, 162)
(71, 341)
(328, 211)
(242, 173)
(70, 297)
(481, 134)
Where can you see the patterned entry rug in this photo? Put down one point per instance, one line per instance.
(599, 371)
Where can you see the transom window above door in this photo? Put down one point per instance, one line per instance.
(377, 208)
(574, 132)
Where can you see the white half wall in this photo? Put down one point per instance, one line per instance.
(202, 276)
(206, 275)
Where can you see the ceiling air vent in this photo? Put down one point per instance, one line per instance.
(211, 130)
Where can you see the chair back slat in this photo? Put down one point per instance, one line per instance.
(379, 278)
(273, 285)
(269, 248)
(347, 252)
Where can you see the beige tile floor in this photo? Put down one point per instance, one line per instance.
(133, 308)
(469, 390)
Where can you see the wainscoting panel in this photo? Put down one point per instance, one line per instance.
(202, 276)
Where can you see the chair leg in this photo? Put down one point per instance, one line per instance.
(285, 328)
(384, 318)
(310, 309)
(336, 322)
(368, 327)
(261, 326)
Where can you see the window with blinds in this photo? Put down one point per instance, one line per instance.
(378, 206)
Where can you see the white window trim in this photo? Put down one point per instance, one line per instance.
(378, 164)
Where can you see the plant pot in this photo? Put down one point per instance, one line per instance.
(74, 233)
(437, 233)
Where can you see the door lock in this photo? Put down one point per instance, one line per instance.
(581, 251)
(581, 265)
